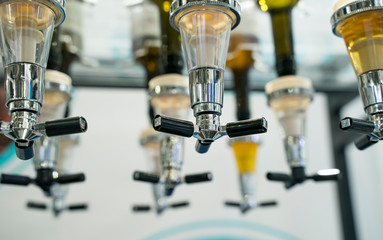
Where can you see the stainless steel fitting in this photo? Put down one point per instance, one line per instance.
(247, 190)
(172, 156)
(295, 151)
(353, 8)
(47, 153)
(230, 7)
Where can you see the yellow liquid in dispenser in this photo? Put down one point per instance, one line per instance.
(245, 155)
(363, 35)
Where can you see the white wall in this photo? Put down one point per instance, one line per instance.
(110, 152)
(365, 169)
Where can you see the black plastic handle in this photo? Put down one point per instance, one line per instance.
(65, 126)
(71, 178)
(179, 204)
(141, 208)
(319, 178)
(24, 153)
(16, 179)
(36, 205)
(146, 177)
(357, 125)
(77, 206)
(281, 177)
(365, 141)
(267, 204)
(202, 147)
(232, 204)
(246, 127)
(196, 178)
(173, 126)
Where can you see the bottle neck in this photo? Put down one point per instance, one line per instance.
(241, 88)
(172, 59)
(283, 41)
(55, 56)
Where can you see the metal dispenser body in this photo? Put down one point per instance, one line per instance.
(50, 175)
(27, 28)
(362, 18)
(165, 172)
(168, 96)
(290, 96)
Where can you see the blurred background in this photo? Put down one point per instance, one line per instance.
(109, 90)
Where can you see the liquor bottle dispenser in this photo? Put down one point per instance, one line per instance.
(290, 96)
(57, 95)
(169, 97)
(205, 30)
(358, 23)
(151, 141)
(26, 33)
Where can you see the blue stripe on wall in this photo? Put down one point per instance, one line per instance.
(221, 223)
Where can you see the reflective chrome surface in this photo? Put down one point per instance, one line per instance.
(46, 152)
(24, 82)
(159, 197)
(179, 5)
(168, 90)
(172, 157)
(22, 128)
(294, 91)
(354, 8)
(371, 90)
(295, 150)
(206, 86)
(55, 86)
(247, 190)
(209, 128)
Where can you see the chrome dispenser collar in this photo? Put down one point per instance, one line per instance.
(57, 6)
(230, 7)
(371, 91)
(206, 90)
(24, 87)
(60, 87)
(172, 156)
(168, 90)
(295, 151)
(293, 91)
(353, 8)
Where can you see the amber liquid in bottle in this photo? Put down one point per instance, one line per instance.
(280, 12)
(245, 155)
(363, 35)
